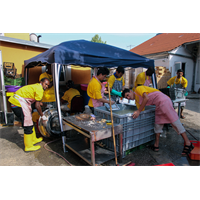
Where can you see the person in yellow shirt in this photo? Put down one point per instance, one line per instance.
(179, 82)
(96, 88)
(164, 113)
(116, 83)
(48, 99)
(21, 106)
(69, 94)
(144, 78)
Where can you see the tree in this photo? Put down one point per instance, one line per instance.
(97, 39)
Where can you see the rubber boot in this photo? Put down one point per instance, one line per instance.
(28, 143)
(35, 139)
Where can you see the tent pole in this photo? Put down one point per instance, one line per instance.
(56, 69)
(154, 80)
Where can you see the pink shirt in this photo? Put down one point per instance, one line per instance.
(164, 112)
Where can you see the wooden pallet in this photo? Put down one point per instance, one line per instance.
(162, 75)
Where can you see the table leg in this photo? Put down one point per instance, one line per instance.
(179, 109)
(92, 149)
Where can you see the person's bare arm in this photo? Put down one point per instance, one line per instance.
(38, 107)
(105, 101)
(144, 102)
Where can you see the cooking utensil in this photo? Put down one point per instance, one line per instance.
(113, 132)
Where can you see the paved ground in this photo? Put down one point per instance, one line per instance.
(171, 145)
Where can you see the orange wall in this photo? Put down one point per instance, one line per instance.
(80, 75)
(17, 53)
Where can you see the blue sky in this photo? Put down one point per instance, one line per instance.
(122, 40)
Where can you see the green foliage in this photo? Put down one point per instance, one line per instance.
(97, 39)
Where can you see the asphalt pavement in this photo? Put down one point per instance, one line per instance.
(51, 153)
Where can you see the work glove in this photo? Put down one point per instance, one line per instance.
(115, 92)
(44, 118)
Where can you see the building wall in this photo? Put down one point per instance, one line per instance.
(17, 53)
(22, 36)
(197, 73)
(162, 62)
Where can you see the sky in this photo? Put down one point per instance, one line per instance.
(125, 41)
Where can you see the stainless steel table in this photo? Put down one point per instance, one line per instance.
(179, 101)
(88, 133)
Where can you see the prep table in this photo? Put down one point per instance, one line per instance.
(91, 132)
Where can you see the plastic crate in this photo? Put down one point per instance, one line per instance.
(167, 164)
(135, 131)
(170, 92)
(195, 153)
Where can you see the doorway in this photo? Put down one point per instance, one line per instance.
(179, 65)
(183, 68)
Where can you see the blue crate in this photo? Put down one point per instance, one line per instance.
(135, 131)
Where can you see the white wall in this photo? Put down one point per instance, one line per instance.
(162, 62)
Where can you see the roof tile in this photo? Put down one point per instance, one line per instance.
(165, 42)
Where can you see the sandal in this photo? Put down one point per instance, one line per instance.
(182, 117)
(187, 149)
(152, 147)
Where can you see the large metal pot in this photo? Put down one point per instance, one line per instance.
(50, 128)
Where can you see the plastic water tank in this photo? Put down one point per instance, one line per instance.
(33, 37)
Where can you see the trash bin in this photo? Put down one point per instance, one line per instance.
(84, 91)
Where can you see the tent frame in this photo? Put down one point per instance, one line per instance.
(55, 68)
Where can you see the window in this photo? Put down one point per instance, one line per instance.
(179, 65)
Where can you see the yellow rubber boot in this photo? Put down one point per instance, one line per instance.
(35, 139)
(28, 143)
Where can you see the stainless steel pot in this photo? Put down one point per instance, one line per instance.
(50, 128)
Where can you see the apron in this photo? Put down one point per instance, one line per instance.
(179, 86)
(26, 108)
(95, 102)
(147, 82)
(118, 87)
(164, 112)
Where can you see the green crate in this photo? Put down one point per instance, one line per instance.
(16, 82)
(142, 146)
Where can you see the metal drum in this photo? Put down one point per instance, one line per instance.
(50, 128)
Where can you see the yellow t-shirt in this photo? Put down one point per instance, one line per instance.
(49, 95)
(33, 91)
(140, 80)
(69, 94)
(184, 81)
(94, 90)
(140, 90)
(112, 79)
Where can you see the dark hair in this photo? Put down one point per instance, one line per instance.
(150, 71)
(43, 79)
(125, 91)
(70, 83)
(179, 70)
(120, 69)
(103, 71)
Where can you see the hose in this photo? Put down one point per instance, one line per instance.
(56, 152)
(192, 135)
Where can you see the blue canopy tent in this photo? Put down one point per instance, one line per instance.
(86, 54)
